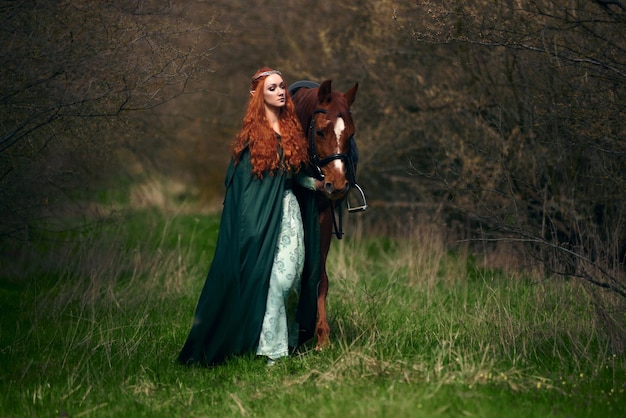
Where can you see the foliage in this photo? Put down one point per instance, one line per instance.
(416, 331)
(528, 145)
(502, 121)
(70, 73)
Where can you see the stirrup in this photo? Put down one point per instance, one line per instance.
(361, 207)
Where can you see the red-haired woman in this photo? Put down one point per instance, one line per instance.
(259, 296)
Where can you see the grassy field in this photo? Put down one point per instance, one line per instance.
(92, 328)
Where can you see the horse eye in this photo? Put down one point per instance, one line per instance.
(319, 133)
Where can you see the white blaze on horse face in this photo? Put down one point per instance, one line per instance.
(340, 126)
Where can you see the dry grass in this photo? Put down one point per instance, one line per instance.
(412, 324)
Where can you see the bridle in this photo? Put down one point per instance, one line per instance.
(349, 160)
(319, 163)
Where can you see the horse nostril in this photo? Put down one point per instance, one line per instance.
(329, 187)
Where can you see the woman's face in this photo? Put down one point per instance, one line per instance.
(274, 91)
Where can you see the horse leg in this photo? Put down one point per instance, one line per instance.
(322, 330)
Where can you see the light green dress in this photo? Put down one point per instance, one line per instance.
(280, 327)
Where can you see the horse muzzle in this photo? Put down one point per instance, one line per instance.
(336, 190)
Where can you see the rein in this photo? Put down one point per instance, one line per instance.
(350, 175)
(319, 163)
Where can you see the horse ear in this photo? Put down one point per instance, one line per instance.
(325, 93)
(350, 95)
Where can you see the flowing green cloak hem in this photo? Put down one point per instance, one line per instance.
(229, 314)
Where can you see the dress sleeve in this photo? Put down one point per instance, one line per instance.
(305, 181)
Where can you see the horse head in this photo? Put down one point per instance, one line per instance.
(330, 132)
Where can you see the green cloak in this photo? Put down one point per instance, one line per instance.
(230, 311)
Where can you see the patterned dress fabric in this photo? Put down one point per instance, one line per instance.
(280, 329)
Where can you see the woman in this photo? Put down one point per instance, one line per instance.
(260, 293)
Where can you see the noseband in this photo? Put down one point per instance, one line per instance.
(319, 163)
(350, 161)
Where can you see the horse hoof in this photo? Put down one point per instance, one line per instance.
(322, 345)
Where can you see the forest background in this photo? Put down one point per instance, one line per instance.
(503, 123)
(490, 265)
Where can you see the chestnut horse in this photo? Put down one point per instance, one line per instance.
(327, 124)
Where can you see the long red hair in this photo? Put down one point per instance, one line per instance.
(257, 134)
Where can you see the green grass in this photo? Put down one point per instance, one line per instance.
(93, 328)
